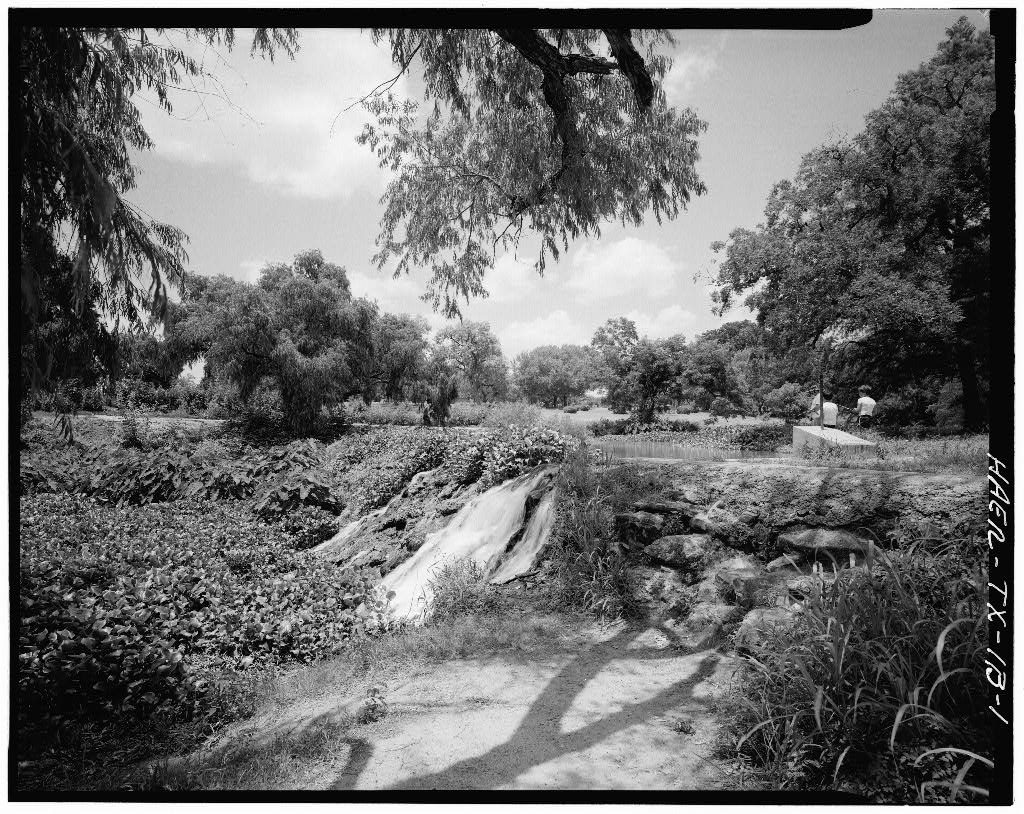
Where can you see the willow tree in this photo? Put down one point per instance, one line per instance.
(79, 124)
(300, 328)
(551, 132)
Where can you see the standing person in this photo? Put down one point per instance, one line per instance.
(829, 412)
(815, 408)
(865, 407)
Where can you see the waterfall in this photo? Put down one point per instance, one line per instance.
(480, 531)
(522, 557)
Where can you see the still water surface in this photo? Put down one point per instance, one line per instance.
(668, 450)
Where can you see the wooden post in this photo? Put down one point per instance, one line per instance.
(821, 395)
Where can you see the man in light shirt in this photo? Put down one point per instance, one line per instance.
(829, 412)
(865, 407)
(829, 409)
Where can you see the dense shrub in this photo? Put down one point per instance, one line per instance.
(402, 413)
(280, 478)
(516, 449)
(122, 610)
(460, 588)
(630, 426)
(589, 567)
(191, 397)
(507, 413)
(787, 401)
(879, 684)
(466, 414)
(308, 526)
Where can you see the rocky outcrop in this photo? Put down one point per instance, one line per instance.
(690, 552)
(817, 542)
(638, 529)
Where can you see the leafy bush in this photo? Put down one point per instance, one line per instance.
(460, 589)
(293, 477)
(124, 611)
(402, 413)
(722, 407)
(134, 428)
(308, 526)
(630, 426)
(466, 414)
(786, 401)
(880, 685)
(191, 397)
(516, 449)
(589, 566)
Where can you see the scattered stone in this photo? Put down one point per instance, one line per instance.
(741, 581)
(791, 560)
(748, 518)
(687, 551)
(836, 542)
(709, 618)
(638, 528)
(448, 507)
(759, 624)
(666, 507)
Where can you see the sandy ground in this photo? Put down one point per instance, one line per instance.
(628, 710)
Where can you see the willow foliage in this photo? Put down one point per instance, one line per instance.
(531, 130)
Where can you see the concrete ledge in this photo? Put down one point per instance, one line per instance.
(815, 436)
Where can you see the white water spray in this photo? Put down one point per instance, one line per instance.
(480, 531)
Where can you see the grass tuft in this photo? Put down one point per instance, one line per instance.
(880, 679)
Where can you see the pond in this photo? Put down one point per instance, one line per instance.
(677, 452)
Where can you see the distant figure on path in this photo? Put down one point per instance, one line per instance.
(865, 407)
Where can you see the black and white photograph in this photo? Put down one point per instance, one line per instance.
(563, 405)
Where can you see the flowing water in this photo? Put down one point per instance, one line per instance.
(522, 557)
(480, 531)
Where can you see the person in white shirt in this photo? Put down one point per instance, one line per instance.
(865, 407)
(815, 407)
(829, 412)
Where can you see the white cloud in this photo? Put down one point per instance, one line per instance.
(511, 280)
(690, 67)
(387, 290)
(603, 271)
(670, 320)
(284, 122)
(557, 328)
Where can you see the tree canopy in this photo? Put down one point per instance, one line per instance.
(299, 327)
(554, 374)
(881, 242)
(552, 131)
(473, 352)
(79, 125)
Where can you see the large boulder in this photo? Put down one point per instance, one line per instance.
(690, 552)
(823, 543)
(638, 528)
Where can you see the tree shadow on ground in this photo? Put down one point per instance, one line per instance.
(539, 737)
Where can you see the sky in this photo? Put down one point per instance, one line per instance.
(264, 165)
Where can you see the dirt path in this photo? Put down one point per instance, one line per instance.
(627, 710)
